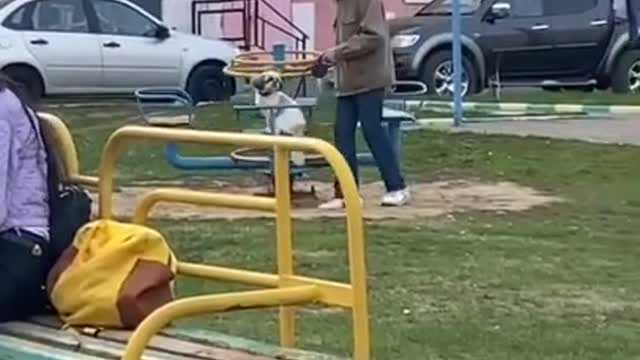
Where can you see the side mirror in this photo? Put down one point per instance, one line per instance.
(162, 32)
(500, 10)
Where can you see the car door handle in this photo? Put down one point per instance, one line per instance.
(39, 42)
(539, 27)
(599, 22)
(111, 44)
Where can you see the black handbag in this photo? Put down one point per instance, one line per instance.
(319, 68)
(69, 205)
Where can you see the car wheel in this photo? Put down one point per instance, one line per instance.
(28, 78)
(209, 83)
(437, 73)
(626, 74)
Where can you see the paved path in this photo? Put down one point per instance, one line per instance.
(618, 130)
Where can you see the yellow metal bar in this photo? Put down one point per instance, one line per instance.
(331, 292)
(150, 199)
(64, 141)
(179, 309)
(284, 241)
(83, 180)
(357, 263)
(67, 150)
(126, 134)
(228, 274)
(355, 232)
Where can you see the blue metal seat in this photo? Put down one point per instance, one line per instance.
(161, 106)
(395, 115)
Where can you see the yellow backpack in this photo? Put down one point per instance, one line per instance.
(113, 276)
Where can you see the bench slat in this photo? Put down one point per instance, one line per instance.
(19, 349)
(198, 344)
(110, 344)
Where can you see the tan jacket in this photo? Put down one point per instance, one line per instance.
(363, 54)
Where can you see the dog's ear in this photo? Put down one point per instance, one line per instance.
(279, 83)
(257, 82)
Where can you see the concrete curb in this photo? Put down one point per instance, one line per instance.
(448, 121)
(528, 107)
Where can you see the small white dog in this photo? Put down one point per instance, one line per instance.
(287, 121)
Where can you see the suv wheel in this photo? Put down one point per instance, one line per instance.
(626, 75)
(437, 73)
(209, 83)
(28, 78)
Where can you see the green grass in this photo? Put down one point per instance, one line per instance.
(559, 282)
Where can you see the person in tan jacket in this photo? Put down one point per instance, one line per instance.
(364, 72)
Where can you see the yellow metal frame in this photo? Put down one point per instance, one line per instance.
(69, 156)
(284, 289)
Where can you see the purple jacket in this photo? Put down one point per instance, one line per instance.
(23, 171)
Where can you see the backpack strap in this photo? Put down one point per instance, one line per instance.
(53, 170)
(52, 176)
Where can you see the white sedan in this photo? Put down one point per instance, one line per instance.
(80, 47)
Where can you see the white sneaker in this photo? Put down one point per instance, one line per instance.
(334, 204)
(298, 158)
(396, 198)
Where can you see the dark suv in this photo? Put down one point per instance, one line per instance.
(542, 43)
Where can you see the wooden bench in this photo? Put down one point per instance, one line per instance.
(44, 338)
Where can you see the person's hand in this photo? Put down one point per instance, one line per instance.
(328, 57)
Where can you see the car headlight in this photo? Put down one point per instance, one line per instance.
(404, 40)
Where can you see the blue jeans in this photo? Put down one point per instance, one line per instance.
(366, 109)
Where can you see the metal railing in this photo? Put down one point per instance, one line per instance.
(297, 34)
(255, 23)
(285, 288)
(197, 15)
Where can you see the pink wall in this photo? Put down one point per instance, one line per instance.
(274, 35)
(231, 24)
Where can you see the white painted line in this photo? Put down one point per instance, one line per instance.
(513, 106)
(569, 108)
(624, 109)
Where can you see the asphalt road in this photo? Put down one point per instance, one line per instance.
(616, 130)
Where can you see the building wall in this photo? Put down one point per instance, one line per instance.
(320, 17)
(177, 14)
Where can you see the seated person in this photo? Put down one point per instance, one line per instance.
(24, 209)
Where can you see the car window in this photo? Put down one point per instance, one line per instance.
(531, 8)
(527, 8)
(119, 19)
(444, 7)
(17, 20)
(568, 7)
(620, 7)
(59, 16)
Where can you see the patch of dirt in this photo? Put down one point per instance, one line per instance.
(429, 200)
